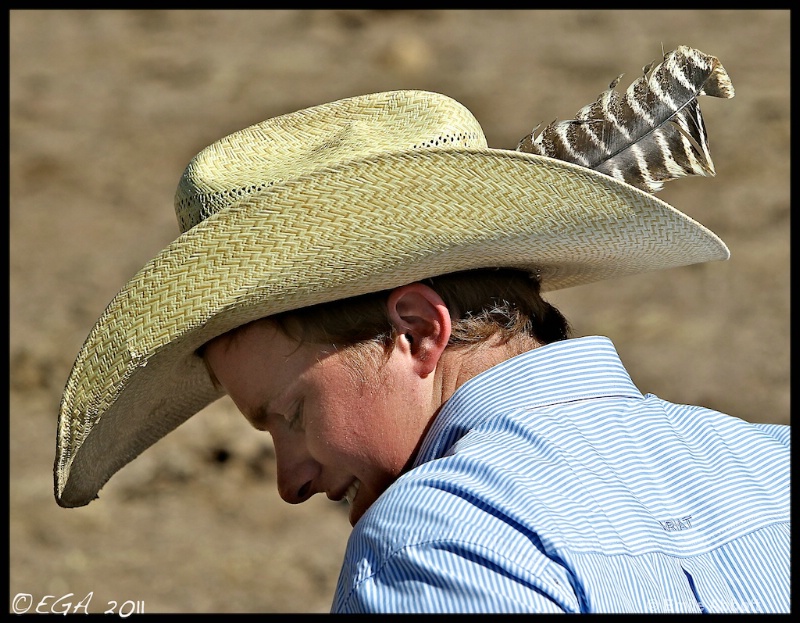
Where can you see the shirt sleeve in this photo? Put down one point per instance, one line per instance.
(453, 577)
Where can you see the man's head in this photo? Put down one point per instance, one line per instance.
(361, 195)
(348, 389)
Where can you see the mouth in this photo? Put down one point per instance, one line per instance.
(351, 492)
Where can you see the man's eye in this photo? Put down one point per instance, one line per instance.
(296, 421)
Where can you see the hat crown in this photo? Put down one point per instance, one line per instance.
(289, 146)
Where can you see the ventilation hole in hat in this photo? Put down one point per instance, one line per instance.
(460, 138)
(188, 210)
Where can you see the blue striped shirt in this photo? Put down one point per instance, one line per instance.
(549, 483)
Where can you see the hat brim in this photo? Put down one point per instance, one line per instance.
(336, 232)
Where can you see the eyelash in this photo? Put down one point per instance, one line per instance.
(296, 421)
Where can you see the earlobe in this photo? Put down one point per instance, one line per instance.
(422, 321)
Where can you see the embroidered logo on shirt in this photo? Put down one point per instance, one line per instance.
(679, 523)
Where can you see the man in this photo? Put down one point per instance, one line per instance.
(364, 279)
(311, 384)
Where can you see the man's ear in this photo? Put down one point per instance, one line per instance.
(422, 322)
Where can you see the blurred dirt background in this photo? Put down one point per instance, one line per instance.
(107, 108)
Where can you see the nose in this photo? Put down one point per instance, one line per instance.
(297, 473)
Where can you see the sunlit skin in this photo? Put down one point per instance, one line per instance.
(330, 428)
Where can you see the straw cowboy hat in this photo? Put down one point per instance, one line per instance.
(355, 196)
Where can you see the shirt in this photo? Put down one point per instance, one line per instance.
(549, 483)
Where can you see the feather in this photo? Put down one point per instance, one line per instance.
(652, 133)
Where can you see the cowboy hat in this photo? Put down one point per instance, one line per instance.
(354, 196)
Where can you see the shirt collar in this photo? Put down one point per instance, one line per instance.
(573, 369)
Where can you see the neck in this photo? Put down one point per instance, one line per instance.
(460, 364)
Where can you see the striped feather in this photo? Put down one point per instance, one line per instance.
(652, 133)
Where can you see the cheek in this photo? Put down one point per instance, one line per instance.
(345, 414)
(354, 421)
